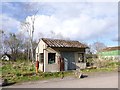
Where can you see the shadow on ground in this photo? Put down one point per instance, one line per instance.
(83, 76)
(8, 84)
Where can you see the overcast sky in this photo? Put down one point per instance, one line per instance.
(83, 21)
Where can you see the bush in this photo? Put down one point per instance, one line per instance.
(18, 74)
(90, 61)
(100, 63)
(57, 74)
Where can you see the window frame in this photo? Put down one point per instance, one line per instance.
(41, 57)
(50, 56)
(82, 60)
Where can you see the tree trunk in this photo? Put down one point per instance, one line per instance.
(31, 50)
(32, 39)
(28, 54)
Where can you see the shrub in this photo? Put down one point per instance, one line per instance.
(57, 74)
(18, 74)
(100, 63)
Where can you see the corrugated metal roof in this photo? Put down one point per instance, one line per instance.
(111, 48)
(63, 43)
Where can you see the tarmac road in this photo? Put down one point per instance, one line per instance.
(96, 80)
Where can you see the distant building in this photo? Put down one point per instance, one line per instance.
(6, 57)
(112, 53)
(60, 55)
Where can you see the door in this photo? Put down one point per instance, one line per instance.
(69, 60)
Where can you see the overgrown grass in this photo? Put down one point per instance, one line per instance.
(22, 71)
(16, 71)
(110, 66)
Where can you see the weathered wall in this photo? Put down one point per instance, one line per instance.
(51, 67)
(40, 49)
(79, 65)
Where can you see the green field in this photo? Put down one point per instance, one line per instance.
(110, 53)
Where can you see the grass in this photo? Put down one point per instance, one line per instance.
(24, 71)
(15, 71)
(111, 66)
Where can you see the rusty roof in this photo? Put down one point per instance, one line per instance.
(111, 48)
(63, 43)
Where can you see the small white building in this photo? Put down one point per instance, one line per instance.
(5, 57)
(60, 55)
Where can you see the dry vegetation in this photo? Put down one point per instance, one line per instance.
(22, 71)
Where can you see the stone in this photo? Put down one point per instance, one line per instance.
(3, 82)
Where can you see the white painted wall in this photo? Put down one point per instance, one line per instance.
(40, 49)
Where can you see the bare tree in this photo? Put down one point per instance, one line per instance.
(3, 47)
(29, 26)
(1, 41)
(14, 43)
(26, 27)
(97, 46)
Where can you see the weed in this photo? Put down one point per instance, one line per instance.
(21, 71)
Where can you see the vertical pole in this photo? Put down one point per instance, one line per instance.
(44, 60)
(37, 65)
(2, 41)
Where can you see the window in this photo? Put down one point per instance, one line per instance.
(80, 58)
(41, 57)
(51, 58)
